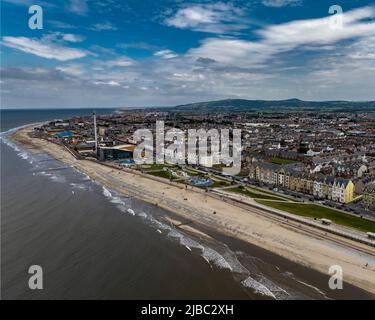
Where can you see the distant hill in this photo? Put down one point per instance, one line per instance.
(276, 105)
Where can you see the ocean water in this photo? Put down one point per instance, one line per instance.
(93, 243)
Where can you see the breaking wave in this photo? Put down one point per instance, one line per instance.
(291, 276)
(79, 186)
(221, 257)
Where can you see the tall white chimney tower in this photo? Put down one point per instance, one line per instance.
(95, 133)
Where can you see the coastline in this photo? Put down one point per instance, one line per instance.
(229, 220)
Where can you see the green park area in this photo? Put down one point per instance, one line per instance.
(163, 174)
(274, 194)
(218, 183)
(152, 167)
(255, 195)
(320, 212)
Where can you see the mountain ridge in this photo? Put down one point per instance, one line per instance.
(288, 104)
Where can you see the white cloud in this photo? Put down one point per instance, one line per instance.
(193, 16)
(72, 37)
(363, 50)
(43, 49)
(72, 69)
(119, 62)
(233, 51)
(276, 65)
(321, 31)
(213, 18)
(138, 45)
(285, 37)
(166, 54)
(113, 83)
(108, 83)
(104, 26)
(79, 7)
(61, 37)
(188, 77)
(281, 3)
(61, 25)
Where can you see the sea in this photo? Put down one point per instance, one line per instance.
(92, 243)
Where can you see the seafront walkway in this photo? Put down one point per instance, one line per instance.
(334, 229)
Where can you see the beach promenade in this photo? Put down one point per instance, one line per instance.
(253, 225)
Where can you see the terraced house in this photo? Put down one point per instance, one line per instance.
(369, 197)
(320, 186)
(342, 190)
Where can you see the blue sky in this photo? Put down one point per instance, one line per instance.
(109, 53)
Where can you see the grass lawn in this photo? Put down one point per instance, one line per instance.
(216, 184)
(192, 173)
(315, 211)
(253, 194)
(271, 193)
(155, 166)
(282, 161)
(219, 183)
(163, 174)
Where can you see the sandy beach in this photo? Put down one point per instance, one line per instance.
(286, 240)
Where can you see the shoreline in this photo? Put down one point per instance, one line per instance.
(317, 280)
(230, 221)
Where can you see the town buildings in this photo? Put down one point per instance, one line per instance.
(325, 155)
(320, 186)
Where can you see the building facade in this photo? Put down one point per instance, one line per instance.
(320, 186)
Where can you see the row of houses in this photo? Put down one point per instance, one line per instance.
(368, 201)
(320, 186)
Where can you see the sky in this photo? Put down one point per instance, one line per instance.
(135, 53)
